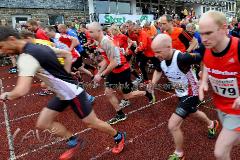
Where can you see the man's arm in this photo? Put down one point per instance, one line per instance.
(74, 43)
(156, 76)
(203, 83)
(22, 88)
(187, 59)
(103, 66)
(28, 66)
(112, 51)
(186, 38)
(193, 45)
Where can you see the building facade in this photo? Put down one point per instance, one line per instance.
(52, 11)
(160, 6)
(47, 11)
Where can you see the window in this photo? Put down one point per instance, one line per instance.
(155, 1)
(113, 7)
(204, 9)
(124, 7)
(101, 7)
(53, 19)
(19, 20)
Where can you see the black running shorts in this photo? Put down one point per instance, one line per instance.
(187, 105)
(80, 105)
(120, 81)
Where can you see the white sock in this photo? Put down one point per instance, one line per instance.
(180, 154)
(211, 125)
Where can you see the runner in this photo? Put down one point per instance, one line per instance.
(222, 67)
(117, 72)
(177, 67)
(41, 61)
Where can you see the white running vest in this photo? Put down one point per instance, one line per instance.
(184, 84)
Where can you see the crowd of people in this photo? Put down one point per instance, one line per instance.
(188, 52)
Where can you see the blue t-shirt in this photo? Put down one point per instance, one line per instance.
(73, 33)
(198, 37)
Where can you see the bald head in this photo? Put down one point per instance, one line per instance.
(95, 30)
(95, 26)
(162, 46)
(161, 40)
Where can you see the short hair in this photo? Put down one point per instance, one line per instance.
(168, 17)
(192, 25)
(51, 28)
(6, 32)
(83, 25)
(33, 22)
(218, 17)
(26, 33)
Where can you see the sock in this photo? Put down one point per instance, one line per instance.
(72, 141)
(118, 137)
(180, 154)
(120, 112)
(212, 125)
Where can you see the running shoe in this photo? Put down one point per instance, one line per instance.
(168, 86)
(124, 103)
(74, 146)
(70, 152)
(174, 156)
(117, 118)
(120, 145)
(212, 132)
(137, 81)
(91, 99)
(45, 92)
(12, 70)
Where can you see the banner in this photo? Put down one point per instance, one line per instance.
(122, 18)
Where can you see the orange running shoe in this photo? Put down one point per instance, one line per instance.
(120, 146)
(72, 151)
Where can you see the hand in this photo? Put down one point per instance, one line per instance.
(236, 104)
(150, 87)
(97, 78)
(202, 88)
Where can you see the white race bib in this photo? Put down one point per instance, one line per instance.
(225, 87)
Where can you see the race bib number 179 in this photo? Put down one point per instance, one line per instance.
(225, 87)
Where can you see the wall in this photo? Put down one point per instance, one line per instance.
(47, 4)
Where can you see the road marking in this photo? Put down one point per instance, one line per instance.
(8, 129)
(131, 140)
(87, 129)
